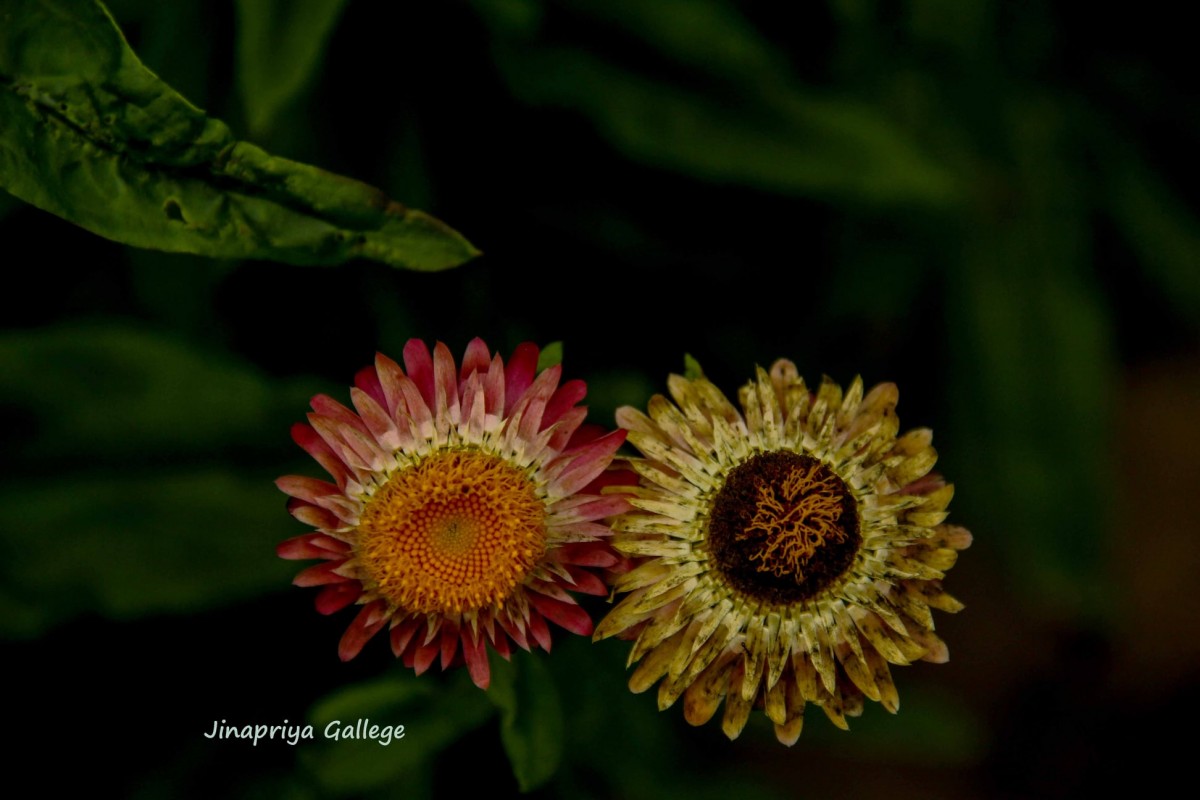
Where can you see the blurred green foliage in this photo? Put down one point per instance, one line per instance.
(531, 718)
(135, 495)
(432, 720)
(280, 45)
(967, 198)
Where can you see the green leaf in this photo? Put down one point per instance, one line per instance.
(531, 718)
(87, 132)
(550, 356)
(691, 368)
(280, 43)
(125, 546)
(433, 717)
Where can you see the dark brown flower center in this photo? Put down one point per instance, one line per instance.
(783, 527)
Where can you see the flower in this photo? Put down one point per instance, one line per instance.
(464, 508)
(788, 552)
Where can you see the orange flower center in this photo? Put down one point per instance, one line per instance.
(458, 531)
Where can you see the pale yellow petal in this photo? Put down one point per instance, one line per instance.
(654, 665)
(775, 703)
(889, 698)
(737, 710)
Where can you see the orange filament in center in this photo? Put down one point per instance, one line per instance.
(793, 520)
(458, 531)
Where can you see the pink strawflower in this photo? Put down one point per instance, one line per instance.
(465, 507)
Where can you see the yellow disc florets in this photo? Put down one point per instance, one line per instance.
(456, 532)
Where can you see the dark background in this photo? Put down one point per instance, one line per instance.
(991, 204)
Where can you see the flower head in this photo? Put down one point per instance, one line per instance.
(789, 552)
(464, 508)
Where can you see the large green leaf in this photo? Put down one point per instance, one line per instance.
(280, 43)
(531, 718)
(87, 132)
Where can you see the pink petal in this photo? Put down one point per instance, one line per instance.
(316, 447)
(312, 545)
(537, 627)
(418, 410)
(564, 400)
(365, 625)
(312, 515)
(326, 406)
(612, 477)
(426, 654)
(367, 379)
(566, 615)
(375, 416)
(586, 433)
(334, 598)
(585, 554)
(445, 378)
(597, 508)
(390, 376)
(586, 582)
(493, 387)
(515, 631)
(449, 642)
(533, 404)
(353, 443)
(409, 657)
(475, 359)
(304, 488)
(475, 654)
(586, 462)
(402, 634)
(501, 644)
(419, 365)
(320, 574)
(473, 404)
(518, 374)
(336, 436)
(566, 427)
